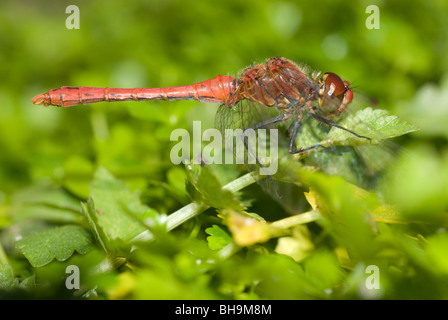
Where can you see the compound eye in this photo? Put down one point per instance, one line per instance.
(335, 86)
(334, 94)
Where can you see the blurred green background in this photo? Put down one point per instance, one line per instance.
(168, 43)
(156, 43)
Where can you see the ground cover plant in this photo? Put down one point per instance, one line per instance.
(92, 191)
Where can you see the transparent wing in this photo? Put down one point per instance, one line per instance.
(232, 122)
(263, 150)
(357, 159)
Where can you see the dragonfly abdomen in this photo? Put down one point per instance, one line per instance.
(218, 90)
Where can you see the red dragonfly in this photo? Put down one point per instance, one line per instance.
(278, 83)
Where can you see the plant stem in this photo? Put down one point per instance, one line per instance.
(180, 216)
(292, 221)
(193, 209)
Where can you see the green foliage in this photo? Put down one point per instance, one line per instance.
(375, 124)
(94, 186)
(210, 189)
(218, 238)
(118, 212)
(7, 280)
(56, 243)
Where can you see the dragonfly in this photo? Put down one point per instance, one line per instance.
(277, 83)
(278, 93)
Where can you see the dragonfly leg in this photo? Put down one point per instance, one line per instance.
(271, 121)
(295, 126)
(260, 125)
(262, 167)
(318, 145)
(331, 123)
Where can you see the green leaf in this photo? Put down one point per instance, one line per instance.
(357, 159)
(89, 211)
(7, 280)
(218, 238)
(46, 202)
(57, 243)
(48, 195)
(43, 212)
(436, 251)
(204, 180)
(323, 270)
(376, 124)
(345, 210)
(78, 172)
(417, 183)
(428, 108)
(119, 211)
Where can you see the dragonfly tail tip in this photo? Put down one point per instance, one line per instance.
(40, 99)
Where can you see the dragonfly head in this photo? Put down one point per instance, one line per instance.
(334, 94)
